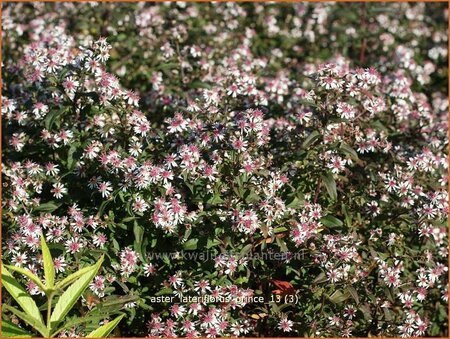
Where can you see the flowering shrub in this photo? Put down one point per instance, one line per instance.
(246, 169)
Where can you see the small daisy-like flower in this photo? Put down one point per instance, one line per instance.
(99, 239)
(105, 189)
(59, 263)
(149, 269)
(51, 169)
(285, 325)
(58, 190)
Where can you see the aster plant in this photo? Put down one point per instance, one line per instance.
(243, 169)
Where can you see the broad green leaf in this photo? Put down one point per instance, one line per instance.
(331, 221)
(378, 125)
(114, 303)
(164, 291)
(138, 232)
(241, 280)
(104, 330)
(77, 321)
(189, 185)
(50, 118)
(251, 197)
(295, 203)
(74, 276)
(187, 233)
(389, 294)
(365, 309)
(279, 230)
(28, 274)
(166, 66)
(353, 293)
(49, 269)
(191, 244)
(9, 330)
(282, 245)
(320, 278)
(101, 210)
(349, 151)
(72, 150)
(330, 185)
(348, 217)
(310, 139)
(199, 84)
(47, 207)
(71, 295)
(245, 250)
(127, 219)
(38, 325)
(338, 297)
(21, 296)
(212, 243)
(215, 199)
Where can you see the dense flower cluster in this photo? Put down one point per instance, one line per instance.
(158, 133)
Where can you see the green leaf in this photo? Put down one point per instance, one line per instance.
(199, 84)
(251, 197)
(38, 325)
(114, 303)
(349, 151)
(330, 185)
(215, 200)
(191, 244)
(28, 274)
(331, 221)
(138, 238)
(49, 269)
(21, 296)
(115, 244)
(72, 150)
(127, 219)
(279, 230)
(212, 243)
(320, 278)
(47, 207)
(187, 233)
(365, 309)
(245, 250)
(338, 297)
(71, 278)
(348, 217)
(164, 291)
(282, 245)
(104, 330)
(138, 231)
(77, 321)
(295, 203)
(71, 295)
(189, 185)
(9, 330)
(102, 207)
(310, 139)
(387, 314)
(167, 66)
(50, 118)
(241, 280)
(353, 293)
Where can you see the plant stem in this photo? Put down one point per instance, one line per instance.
(49, 310)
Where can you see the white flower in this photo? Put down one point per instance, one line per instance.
(105, 189)
(58, 190)
(285, 325)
